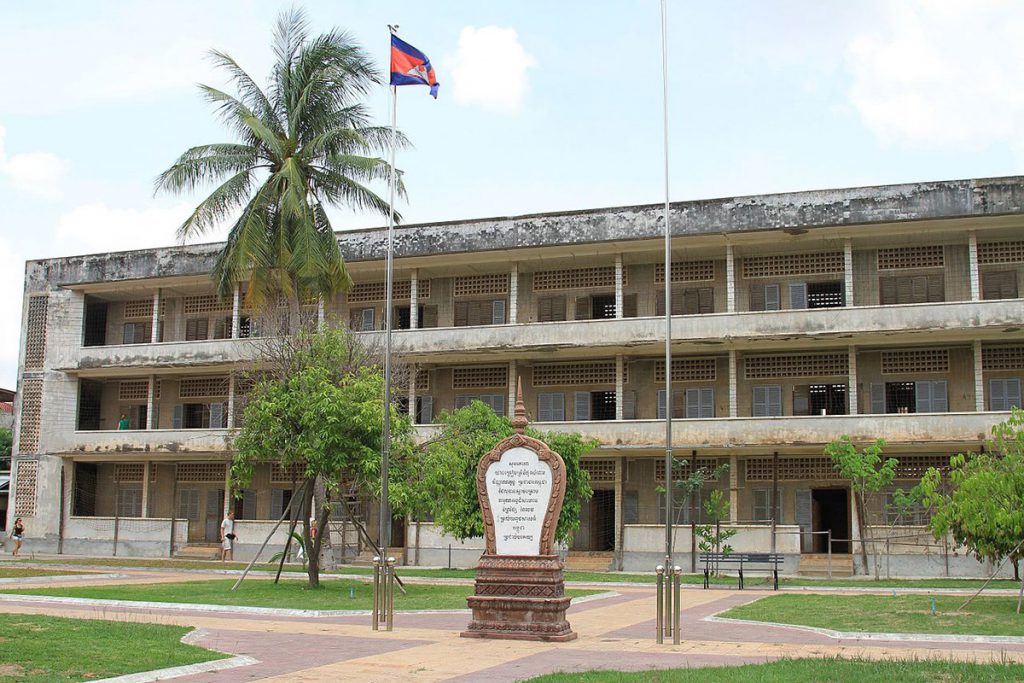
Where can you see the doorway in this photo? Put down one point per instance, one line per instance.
(830, 511)
(214, 514)
(597, 523)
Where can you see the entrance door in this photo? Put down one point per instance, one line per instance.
(188, 508)
(602, 521)
(214, 514)
(831, 512)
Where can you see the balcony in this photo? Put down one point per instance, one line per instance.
(136, 359)
(176, 442)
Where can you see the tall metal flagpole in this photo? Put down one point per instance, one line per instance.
(668, 301)
(385, 511)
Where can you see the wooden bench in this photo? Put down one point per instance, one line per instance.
(768, 562)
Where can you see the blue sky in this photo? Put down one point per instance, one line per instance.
(543, 106)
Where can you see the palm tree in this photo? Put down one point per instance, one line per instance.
(303, 143)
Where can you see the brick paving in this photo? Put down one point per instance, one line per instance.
(615, 632)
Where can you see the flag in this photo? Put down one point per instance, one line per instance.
(409, 66)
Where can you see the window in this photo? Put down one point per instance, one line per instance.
(688, 509)
(137, 333)
(424, 410)
(476, 313)
(594, 307)
(630, 507)
(602, 405)
(361, 319)
(95, 324)
(678, 404)
(403, 317)
(911, 289)
(767, 400)
(931, 397)
(90, 395)
(279, 499)
(495, 402)
(819, 399)
(136, 415)
(687, 301)
(910, 397)
(999, 285)
(764, 297)
(762, 508)
(129, 501)
(551, 407)
(915, 515)
(196, 329)
(700, 403)
(550, 309)
(201, 415)
(1004, 394)
(825, 294)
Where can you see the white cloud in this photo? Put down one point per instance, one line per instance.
(38, 173)
(489, 69)
(12, 271)
(94, 228)
(942, 75)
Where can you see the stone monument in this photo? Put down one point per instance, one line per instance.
(520, 588)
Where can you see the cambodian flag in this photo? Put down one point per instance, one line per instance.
(409, 66)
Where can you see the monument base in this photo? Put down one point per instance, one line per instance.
(519, 598)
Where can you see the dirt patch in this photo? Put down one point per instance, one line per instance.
(12, 670)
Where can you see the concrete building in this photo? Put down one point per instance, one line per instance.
(888, 312)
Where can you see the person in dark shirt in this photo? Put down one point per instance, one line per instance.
(17, 533)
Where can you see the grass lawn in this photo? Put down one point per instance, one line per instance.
(886, 614)
(292, 594)
(21, 572)
(38, 649)
(807, 670)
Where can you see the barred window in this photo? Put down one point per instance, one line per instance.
(601, 471)
(1001, 252)
(25, 488)
(1002, 357)
(781, 265)
(378, 291)
(202, 472)
(139, 308)
(807, 365)
(686, 271)
(136, 390)
(422, 380)
(204, 303)
(914, 361)
(35, 332)
(287, 474)
(31, 409)
(576, 278)
(709, 465)
(197, 387)
(486, 376)
(129, 472)
(687, 370)
(469, 285)
(791, 469)
(896, 258)
(560, 374)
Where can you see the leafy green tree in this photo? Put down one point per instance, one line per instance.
(302, 144)
(323, 408)
(692, 483)
(442, 481)
(713, 538)
(868, 473)
(980, 501)
(6, 443)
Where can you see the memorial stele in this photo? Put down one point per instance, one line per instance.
(520, 586)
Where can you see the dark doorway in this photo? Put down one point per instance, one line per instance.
(398, 532)
(602, 521)
(831, 512)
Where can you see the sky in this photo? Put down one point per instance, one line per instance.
(543, 106)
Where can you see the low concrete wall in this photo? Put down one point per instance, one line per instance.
(437, 549)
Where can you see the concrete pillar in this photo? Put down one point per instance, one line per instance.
(848, 270)
(618, 286)
(146, 470)
(619, 383)
(979, 379)
(155, 332)
(975, 275)
(231, 400)
(236, 309)
(150, 402)
(414, 299)
(619, 473)
(512, 382)
(513, 295)
(730, 279)
(227, 488)
(320, 313)
(734, 489)
(733, 391)
(413, 371)
(851, 389)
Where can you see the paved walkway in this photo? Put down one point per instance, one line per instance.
(615, 632)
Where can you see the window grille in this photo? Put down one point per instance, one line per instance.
(197, 387)
(139, 308)
(129, 472)
(708, 464)
(1002, 357)
(422, 380)
(1001, 252)
(31, 409)
(285, 475)
(35, 332)
(793, 264)
(601, 471)
(913, 361)
(377, 291)
(807, 365)
(686, 271)
(560, 374)
(487, 376)
(204, 303)
(687, 370)
(915, 466)
(196, 472)
(897, 258)
(792, 469)
(469, 285)
(25, 488)
(576, 278)
(136, 390)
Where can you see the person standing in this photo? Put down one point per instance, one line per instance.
(17, 533)
(227, 537)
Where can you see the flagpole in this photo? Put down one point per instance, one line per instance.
(385, 512)
(668, 299)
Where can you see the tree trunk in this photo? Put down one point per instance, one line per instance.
(312, 563)
(859, 502)
(321, 498)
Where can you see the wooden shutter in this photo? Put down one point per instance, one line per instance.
(179, 416)
(276, 503)
(551, 407)
(690, 302)
(997, 394)
(582, 308)
(774, 399)
(940, 396)
(707, 402)
(757, 297)
(355, 320)
(461, 313)
(661, 404)
(886, 291)
(497, 312)
(425, 413)
(463, 400)
(217, 415)
(760, 404)
(429, 317)
(803, 519)
(155, 417)
(628, 405)
(692, 404)
(551, 309)
(798, 295)
(581, 405)
(877, 399)
(1013, 398)
(366, 320)
(801, 400)
(220, 328)
(905, 290)
(771, 298)
(923, 397)
(936, 289)
(1000, 285)
(629, 306)
(248, 504)
(129, 334)
(706, 300)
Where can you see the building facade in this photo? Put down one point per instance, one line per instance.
(890, 312)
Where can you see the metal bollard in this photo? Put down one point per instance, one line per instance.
(660, 571)
(390, 612)
(668, 601)
(677, 577)
(376, 593)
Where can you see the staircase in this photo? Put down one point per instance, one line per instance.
(347, 543)
(589, 561)
(816, 564)
(199, 551)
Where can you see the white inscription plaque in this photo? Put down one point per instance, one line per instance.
(519, 490)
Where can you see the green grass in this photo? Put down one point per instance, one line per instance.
(809, 670)
(21, 572)
(291, 594)
(886, 614)
(38, 649)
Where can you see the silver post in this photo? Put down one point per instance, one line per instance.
(660, 637)
(677, 572)
(668, 300)
(391, 593)
(829, 541)
(376, 594)
(668, 601)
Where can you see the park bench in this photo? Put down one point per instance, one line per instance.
(768, 562)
